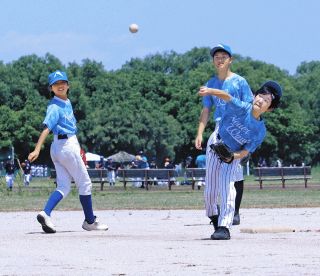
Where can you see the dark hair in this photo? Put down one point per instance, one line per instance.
(270, 90)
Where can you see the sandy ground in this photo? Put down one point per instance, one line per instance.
(152, 242)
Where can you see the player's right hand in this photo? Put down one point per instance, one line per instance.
(33, 155)
(204, 91)
(198, 142)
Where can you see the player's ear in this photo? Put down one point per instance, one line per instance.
(50, 91)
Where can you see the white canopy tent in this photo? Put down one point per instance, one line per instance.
(92, 156)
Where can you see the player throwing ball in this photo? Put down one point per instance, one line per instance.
(65, 154)
(241, 130)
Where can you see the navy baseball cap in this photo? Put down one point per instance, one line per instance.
(222, 47)
(57, 76)
(273, 88)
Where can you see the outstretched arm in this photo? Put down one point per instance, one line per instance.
(204, 91)
(34, 155)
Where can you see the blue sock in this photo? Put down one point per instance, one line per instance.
(86, 203)
(52, 202)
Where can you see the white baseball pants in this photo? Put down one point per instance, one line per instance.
(69, 165)
(9, 180)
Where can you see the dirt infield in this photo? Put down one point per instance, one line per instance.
(161, 243)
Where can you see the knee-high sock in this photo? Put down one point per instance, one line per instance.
(86, 203)
(239, 189)
(52, 202)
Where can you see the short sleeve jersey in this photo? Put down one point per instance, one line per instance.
(236, 86)
(59, 117)
(201, 161)
(9, 168)
(239, 129)
(27, 168)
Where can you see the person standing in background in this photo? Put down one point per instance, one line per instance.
(9, 167)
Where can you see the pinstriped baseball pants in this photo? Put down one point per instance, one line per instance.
(219, 180)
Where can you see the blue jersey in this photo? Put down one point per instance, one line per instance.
(236, 86)
(60, 118)
(201, 161)
(239, 129)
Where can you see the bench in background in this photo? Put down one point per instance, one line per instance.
(146, 176)
(96, 175)
(195, 174)
(282, 173)
(130, 175)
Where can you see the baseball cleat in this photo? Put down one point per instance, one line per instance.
(46, 223)
(236, 219)
(222, 233)
(96, 225)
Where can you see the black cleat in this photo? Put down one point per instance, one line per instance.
(222, 233)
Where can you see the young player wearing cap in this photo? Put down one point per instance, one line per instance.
(242, 130)
(237, 87)
(65, 154)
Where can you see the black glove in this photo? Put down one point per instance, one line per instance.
(223, 152)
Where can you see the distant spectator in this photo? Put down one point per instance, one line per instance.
(188, 163)
(144, 163)
(279, 163)
(168, 164)
(262, 162)
(136, 164)
(9, 167)
(111, 172)
(153, 164)
(26, 167)
(201, 163)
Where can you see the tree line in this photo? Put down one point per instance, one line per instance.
(151, 104)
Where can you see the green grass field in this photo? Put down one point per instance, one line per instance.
(180, 197)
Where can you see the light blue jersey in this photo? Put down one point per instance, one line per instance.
(236, 86)
(59, 118)
(239, 129)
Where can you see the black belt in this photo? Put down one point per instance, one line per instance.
(62, 136)
(218, 136)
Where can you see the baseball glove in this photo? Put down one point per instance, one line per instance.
(223, 152)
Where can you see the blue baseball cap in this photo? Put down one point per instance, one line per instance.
(222, 47)
(57, 76)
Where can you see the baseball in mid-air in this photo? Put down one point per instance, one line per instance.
(133, 28)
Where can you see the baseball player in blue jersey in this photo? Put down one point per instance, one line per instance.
(65, 154)
(237, 87)
(241, 130)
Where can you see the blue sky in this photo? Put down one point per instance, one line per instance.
(281, 32)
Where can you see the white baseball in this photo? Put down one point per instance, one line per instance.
(133, 28)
